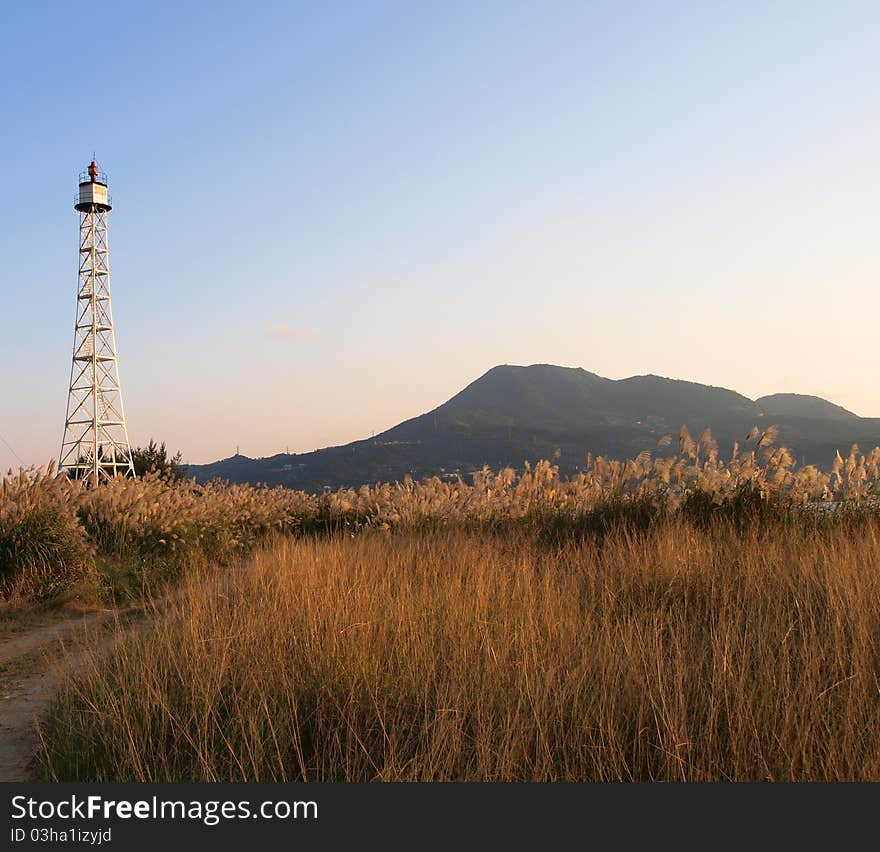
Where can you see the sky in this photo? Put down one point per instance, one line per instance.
(331, 217)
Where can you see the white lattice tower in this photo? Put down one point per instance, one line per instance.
(95, 444)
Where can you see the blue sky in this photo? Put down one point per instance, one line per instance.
(331, 217)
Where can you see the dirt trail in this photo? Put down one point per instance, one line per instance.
(33, 665)
(45, 634)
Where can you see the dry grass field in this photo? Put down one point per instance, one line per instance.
(677, 653)
(664, 618)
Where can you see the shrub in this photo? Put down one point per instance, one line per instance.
(43, 547)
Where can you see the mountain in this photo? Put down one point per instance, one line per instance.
(512, 414)
(799, 405)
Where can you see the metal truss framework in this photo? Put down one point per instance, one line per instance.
(95, 444)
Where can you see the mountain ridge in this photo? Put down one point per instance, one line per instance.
(513, 414)
(803, 405)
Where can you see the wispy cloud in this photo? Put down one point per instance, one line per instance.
(294, 335)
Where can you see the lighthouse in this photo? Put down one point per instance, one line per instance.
(95, 445)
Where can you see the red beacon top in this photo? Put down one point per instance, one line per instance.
(93, 171)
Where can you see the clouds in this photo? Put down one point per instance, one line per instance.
(293, 335)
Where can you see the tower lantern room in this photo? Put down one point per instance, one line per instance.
(92, 190)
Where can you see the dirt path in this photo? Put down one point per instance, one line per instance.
(33, 664)
(44, 633)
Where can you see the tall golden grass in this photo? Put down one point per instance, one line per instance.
(50, 525)
(678, 618)
(684, 653)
